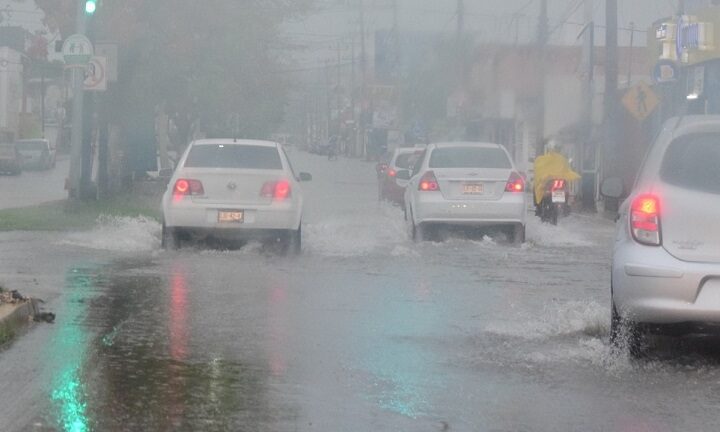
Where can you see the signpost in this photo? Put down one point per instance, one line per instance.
(77, 50)
(640, 100)
(96, 76)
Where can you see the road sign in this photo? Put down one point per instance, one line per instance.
(96, 74)
(109, 50)
(640, 100)
(77, 50)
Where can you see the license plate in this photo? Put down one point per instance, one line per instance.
(558, 197)
(473, 188)
(230, 216)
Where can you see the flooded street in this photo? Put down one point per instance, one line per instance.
(365, 331)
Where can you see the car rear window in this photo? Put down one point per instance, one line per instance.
(234, 156)
(404, 161)
(692, 162)
(469, 157)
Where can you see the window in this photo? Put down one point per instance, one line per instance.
(234, 156)
(404, 161)
(693, 162)
(469, 157)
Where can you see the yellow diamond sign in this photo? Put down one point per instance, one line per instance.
(640, 100)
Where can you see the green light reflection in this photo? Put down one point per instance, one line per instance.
(67, 352)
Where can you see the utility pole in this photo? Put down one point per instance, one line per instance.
(630, 61)
(363, 84)
(459, 45)
(353, 98)
(542, 40)
(611, 86)
(588, 151)
(78, 77)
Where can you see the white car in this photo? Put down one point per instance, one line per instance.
(467, 184)
(666, 261)
(37, 153)
(235, 189)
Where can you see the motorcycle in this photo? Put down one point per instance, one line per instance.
(554, 201)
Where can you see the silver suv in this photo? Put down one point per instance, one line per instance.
(666, 261)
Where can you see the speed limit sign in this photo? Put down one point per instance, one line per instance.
(96, 74)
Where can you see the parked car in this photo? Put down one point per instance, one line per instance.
(37, 153)
(234, 189)
(390, 188)
(666, 260)
(465, 184)
(10, 160)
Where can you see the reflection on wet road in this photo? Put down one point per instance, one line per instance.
(466, 335)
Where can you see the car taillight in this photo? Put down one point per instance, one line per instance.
(185, 187)
(515, 183)
(645, 220)
(277, 190)
(558, 184)
(429, 183)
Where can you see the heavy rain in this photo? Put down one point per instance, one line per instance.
(359, 215)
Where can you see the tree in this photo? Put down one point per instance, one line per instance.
(208, 63)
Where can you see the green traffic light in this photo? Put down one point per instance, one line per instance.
(90, 6)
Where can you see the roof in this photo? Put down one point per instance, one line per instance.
(230, 141)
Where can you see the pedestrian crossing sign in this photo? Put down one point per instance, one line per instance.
(640, 100)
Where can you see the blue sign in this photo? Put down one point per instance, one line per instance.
(665, 71)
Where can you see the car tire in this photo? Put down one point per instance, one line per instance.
(170, 240)
(517, 234)
(626, 334)
(294, 242)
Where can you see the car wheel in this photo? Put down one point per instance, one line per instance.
(170, 238)
(626, 334)
(517, 234)
(294, 245)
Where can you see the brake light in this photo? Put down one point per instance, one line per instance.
(515, 183)
(185, 187)
(277, 190)
(558, 184)
(645, 220)
(429, 183)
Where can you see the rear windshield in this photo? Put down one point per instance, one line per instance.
(692, 162)
(469, 157)
(234, 156)
(405, 161)
(32, 145)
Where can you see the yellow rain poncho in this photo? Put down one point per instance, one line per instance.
(548, 167)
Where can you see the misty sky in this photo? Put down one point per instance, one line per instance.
(489, 20)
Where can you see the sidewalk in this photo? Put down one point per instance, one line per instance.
(14, 315)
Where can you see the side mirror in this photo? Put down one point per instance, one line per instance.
(612, 187)
(165, 173)
(305, 177)
(403, 175)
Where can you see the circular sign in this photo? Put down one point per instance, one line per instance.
(96, 74)
(77, 50)
(665, 71)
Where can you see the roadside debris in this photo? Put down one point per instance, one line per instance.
(14, 297)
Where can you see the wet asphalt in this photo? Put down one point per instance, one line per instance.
(366, 331)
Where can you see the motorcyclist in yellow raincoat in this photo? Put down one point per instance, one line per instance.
(550, 166)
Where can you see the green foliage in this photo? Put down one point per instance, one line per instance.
(71, 216)
(211, 63)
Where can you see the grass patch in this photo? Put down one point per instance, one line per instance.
(6, 334)
(74, 215)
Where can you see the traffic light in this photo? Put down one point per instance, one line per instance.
(90, 6)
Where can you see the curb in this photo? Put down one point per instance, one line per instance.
(12, 316)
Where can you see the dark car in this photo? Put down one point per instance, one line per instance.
(10, 160)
